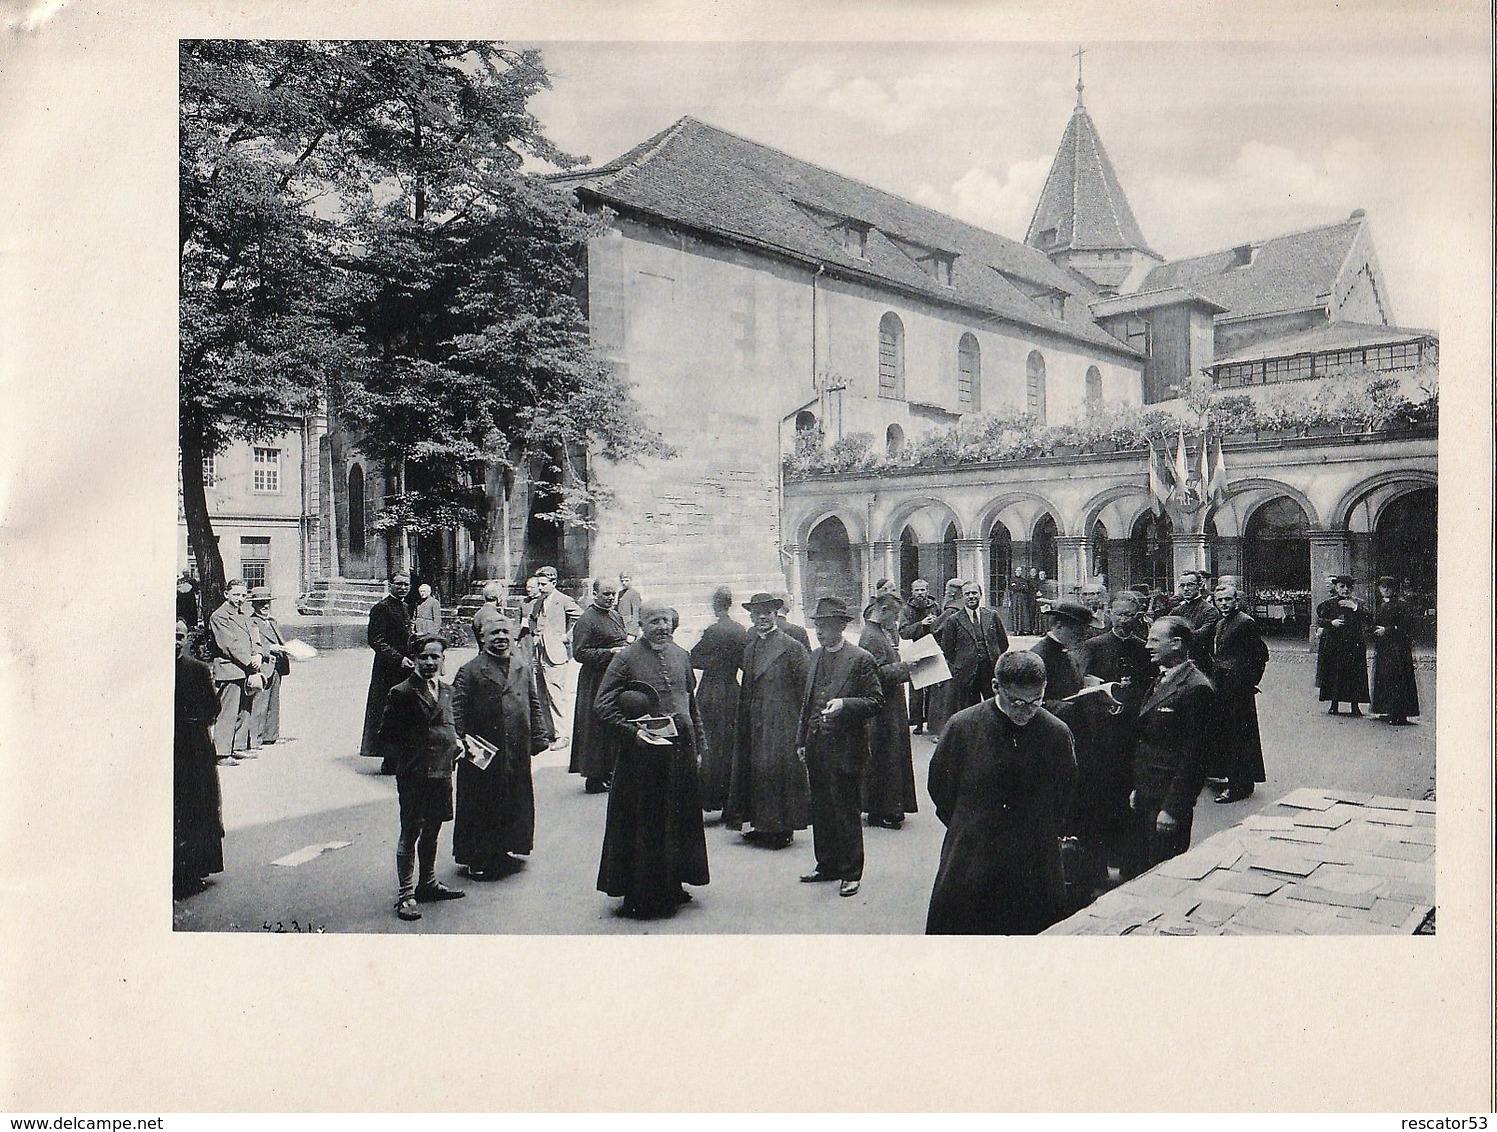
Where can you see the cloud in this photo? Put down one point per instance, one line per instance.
(1002, 204)
(896, 108)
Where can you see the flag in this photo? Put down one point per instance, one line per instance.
(1157, 492)
(1219, 474)
(1182, 475)
(1205, 464)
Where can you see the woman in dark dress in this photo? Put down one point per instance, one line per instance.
(494, 698)
(1341, 670)
(888, 786)
(597, 638)
(197, 809)
(1395, 695)
(719, 656)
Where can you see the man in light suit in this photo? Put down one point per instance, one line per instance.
(843, 692)
(237, 655)
(1169, 763)
(973, 638)
(552, 618)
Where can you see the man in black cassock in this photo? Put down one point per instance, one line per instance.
(1341, 667)
(653, 841)
(1238, 657)
(390, 638)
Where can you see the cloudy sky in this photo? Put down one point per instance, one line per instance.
(1215, 144)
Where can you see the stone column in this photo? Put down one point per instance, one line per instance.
(797, 554)
(1072, 556)
(1189, 552)
(883, 562)
(1330, 554)
(969, 561)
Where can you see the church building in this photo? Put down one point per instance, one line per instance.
(763, 307)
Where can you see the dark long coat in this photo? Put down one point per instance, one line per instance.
(768, 786)
(911, 628)
(719, 655)
(1341, 667)
(653, 841)
(1202, 615)
(940, 697)
(390, 638)
(594, 638)
(495, 814)
(1002, 792)
(837, 754)
(1111, 658)
(1238, 658)
(888, 786)
(1175, 723)
(197, 807)
(1394, 691)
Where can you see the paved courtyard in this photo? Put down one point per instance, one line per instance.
(313, 789)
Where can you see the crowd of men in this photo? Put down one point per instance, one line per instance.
(1058, 770)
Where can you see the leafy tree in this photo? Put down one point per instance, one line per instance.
(356, 221)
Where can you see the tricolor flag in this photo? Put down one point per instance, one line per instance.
(1205, 464)
(1158, 493)
(1182, 475)
(1219, 475)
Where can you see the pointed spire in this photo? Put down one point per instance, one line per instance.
(1080, 51)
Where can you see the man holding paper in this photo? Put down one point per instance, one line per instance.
(502, 725)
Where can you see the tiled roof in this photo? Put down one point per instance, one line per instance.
(1148, 300)
(701, 177)
(1330, 336)
(1287, 273)
(1082, 200)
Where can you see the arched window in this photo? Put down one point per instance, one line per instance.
(1276, 547)
(1000, 561)
(894, 441)
(968, 374)
(909, 559)
(1093, 387)
(1044, 548)
(948, 559)
(1034, 386)
(357, 522)
(891, 357)
(1099, 552)
(807, 434)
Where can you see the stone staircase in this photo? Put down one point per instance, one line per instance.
(341, 598)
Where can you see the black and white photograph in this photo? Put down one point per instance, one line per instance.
(703, 540)
(796, 368)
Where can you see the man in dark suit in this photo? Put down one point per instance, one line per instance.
(1118, 657)
(419, 743)
(237, 656)
(1238, 658)
(843, 693)
(1174, 722)
(1200, 613)
(973, 638)
(390, 638)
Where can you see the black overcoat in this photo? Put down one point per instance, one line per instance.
(719, 656)
(1394, 691)
(596, 638)
(1175, 724)
(495, 813)
(1341, 667)
(197, 806)
(1112, 659)
(888, 786)
(653, 841)
(768, 787)
(971, 651)
(1002, 792)
(1238, 658)
(390, 638)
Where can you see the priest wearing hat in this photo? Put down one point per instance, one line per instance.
(767, 785)
(1341, 668)
(653, 840)
(265, 708)
(843, 693)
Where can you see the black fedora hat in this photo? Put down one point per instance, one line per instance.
(637, 699)
(763, 601)
(1343, 580)
(1070, 611)
(831, 609)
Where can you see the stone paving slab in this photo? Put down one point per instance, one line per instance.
(1317, 862)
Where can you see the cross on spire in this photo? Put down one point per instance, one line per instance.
(1080, 51)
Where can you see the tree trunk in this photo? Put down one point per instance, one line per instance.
(199, 522)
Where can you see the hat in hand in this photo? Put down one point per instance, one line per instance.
(638, 699)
